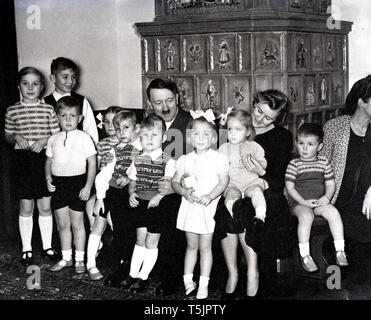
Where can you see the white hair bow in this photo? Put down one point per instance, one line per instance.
(208, 115)
(224, 116)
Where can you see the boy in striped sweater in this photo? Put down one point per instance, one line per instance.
(28, 125)
(310, 186)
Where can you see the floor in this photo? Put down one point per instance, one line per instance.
(16, 282)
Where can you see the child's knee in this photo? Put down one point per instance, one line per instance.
(305, 216)
(26, 208)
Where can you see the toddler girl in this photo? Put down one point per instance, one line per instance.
(28, 125)
(205, 173)
(242, 153)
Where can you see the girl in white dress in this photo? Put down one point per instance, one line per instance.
(205, 173)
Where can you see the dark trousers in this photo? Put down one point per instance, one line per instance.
(169, 266)
(124, 228)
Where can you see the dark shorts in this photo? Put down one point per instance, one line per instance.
(116, 200)
(156, 219)
(67, 190)
(29, 175)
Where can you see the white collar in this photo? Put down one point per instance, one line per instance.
(31, 104)
(136, 144)
(168, 124)
(154, 154)
(57, 95)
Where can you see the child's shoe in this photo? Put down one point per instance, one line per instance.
(341, 259)
(189, 286)
(202, 292)
(26, 258)
(308, 263)
(127, 283)
(61, 264)
(80, 267)
(51, 254)
(139, 286)
(95, 274)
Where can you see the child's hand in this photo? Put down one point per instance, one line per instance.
(122, 181)
(323, 201)
(155, 201)
(313, 203)
(164, 186)
(204, 200)
(189, 195)
(38, 145)
(84, 194)
(21, 142)
(98, 206)
(50, 186)
(107, 158)
(133, 200)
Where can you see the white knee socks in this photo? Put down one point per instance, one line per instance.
(93, 245)
(46, 230)
(150, 258)
(304, 249)
(136, 260)
(339, 245)
(25, 229)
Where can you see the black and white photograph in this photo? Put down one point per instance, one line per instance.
(185, 158)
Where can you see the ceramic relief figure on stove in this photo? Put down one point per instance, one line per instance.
(224, 54)
(300, 55)
(330, 59)
(270, 55)
(296, 4)
(171, 52)
(238, 94)
(210, 96)
(324, 90)
(293, 94)
(310, 95)
(195, 52)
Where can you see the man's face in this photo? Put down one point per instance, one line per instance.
(164, 103)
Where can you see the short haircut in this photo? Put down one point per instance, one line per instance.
(276, 100)
(62, 63)
(69, 102)
(310, 129)
(245, 118)
(30, 70)
(122, 116)
(113, 110)
(162, 84)
(149, 122)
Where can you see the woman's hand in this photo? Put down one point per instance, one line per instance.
(21, 142)
(366, 208)
(252, 164)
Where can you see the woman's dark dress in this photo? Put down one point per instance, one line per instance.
(356, 181)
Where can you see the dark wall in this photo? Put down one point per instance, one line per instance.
(8, 95)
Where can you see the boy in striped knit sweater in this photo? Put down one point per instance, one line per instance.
(28, 125)
(149, 206)
(310, 185)
(111, 185)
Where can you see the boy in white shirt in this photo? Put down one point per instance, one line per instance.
(70, 171)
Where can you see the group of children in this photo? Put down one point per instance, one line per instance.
(56, 141)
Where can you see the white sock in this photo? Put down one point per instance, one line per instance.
(93, 245)
(79, 255)
(229, 205)
(339, 245)
(136, 260)
(204, 281)
(304, 249)
(188, 278)
(260, 213)
(67, 255)
(150, 258)
(46, 230)
(25, 229)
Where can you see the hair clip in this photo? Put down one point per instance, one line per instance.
(99, 116)
(208, 115)
(224, 116)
